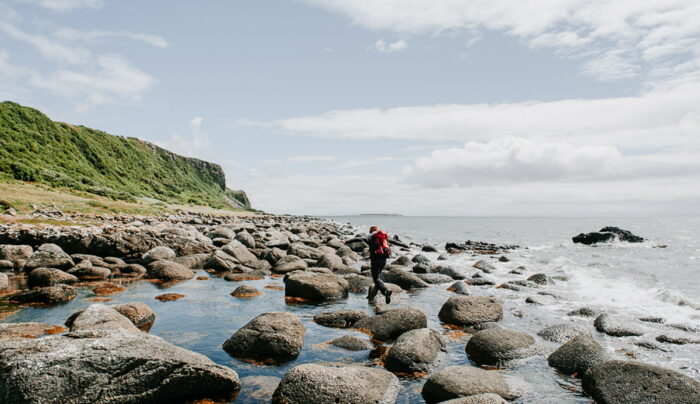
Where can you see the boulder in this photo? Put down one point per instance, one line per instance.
(158, 253)
(498, 346)
(104, 367)
(273, 255)
(49, 277)
(463, 381)
(15, 253)
(401, 261)
(622, 382)
(4, 281)
(49, 256)
(316, 286)
(132, 271)
(428, 248)
(415, 351)
(275, 336)
(420, 259)
(138, 313)
(46, 295)
(340, 319)
(168, 270)
(352, 343)
(28, 330)
(390, 324)
(302, 250)
(616, 326)
(577, 355)
(220, 261)
(540, 279)
(317, 384)
(289, 263)
(459, 288)
(330, 261)
(485, 266)
(435, 278)
(451, 272)
(193, 261)
(583, 312)
(100, 317)
(246, 291)
(347, 252)
(486, 398)
(240, 252)
(246, 239)
(407, 280)
(359, 283)
(562, 332)
(471, 310)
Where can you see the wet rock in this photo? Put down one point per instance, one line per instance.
(302, 250)
(240, 277)
(443, 257)
(480, 281)
(276, 336)
(540, 279)
(562, 332)
(422, 269)
(577, 355)
(246, 239)
(415, 351)
(451, 272)
(607, 234)
(616, 326)
(407, 280)
(4, 281)
(464, 381)
(503, 258)
(246, 291)
(104, 367)
(100, 317)
(259, 388)
(158, 253)
(498, 346)
(316, 286)
(241, 253)
(49, 256)
(138, 313)
(428, 248)
(420, 259)
(622, 382)
(484, 266)
(460, 288)
(132, 271)
(168, 270)
(273, 255)
(28, 330)
(15, 253)
(583, 312)
(401, 261)
(435, 278)
(650, 346)
(340, 319)
(86, 271)
(289, 263)
(347, 252)
(317, 384)
(487, 398)
(677, 339)
(352, 343)
(49, 277)
(656, 320)
(46, 295)
(390, 324)
(471, 310)
(330, 261)
(220, 261)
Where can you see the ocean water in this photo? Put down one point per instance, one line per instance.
(636, 280)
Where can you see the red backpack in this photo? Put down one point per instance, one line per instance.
(381, 242)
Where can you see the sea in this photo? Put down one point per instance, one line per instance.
(659, 277)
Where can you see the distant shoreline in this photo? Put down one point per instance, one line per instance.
(379, 214)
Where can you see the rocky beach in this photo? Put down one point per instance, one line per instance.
(191, 307)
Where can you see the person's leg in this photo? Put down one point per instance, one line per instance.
(377, 265)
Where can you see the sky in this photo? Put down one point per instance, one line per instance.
(414, 107)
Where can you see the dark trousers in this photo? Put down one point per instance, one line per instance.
(377, 264)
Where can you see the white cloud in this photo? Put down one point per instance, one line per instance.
(651, 34)
(354, 163)
(66, 5)
(194, 144)
(48, 47)
(112, 79)
(9, 70)
(510, 160)
(69, 34)
(381, 46)
(312, 158)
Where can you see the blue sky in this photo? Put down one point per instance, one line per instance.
(440, 107)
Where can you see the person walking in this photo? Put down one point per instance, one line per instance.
(379, 252)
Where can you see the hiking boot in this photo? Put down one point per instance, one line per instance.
(372, 293)
(387, 297)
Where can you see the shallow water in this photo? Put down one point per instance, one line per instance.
(620, 277)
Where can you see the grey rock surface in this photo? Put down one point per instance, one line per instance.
(471, 310)
(276, 336)
(577, 355)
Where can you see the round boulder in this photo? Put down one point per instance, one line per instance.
(577, 355)
(49, 256)
(471, 310)
(616, 326)
(289, 263)
(169, 270)
(390, 324)
(562, 332)
(274, 336)
(246, 291)
(139, 313)
(159, 253)
(498, 346)
(340, 319)
(352, 343)
(317, 384)
(100, 317)
(463, 381)
(49, 277)
(316, 286)
(415, 351)
(46, 295)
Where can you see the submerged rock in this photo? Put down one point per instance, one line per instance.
(49, 256)
(562, 332)
(390, 324)
(459, 288)
(340, 319)
(498, 346)
(46, 295)
(352, 343)
(415, 351)
(577, 355)
(28, 330)
(606, 234)
(49, 277)
(169, 270)
(317, 384)
(471, 310)
(463, 381)
(616, 326)
(276, 336)
(622, 382)
(106, 367)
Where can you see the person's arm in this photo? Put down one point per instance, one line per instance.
(363, 239)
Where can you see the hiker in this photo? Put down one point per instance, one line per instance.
(379, 252)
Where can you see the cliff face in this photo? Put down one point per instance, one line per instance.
(35, 148)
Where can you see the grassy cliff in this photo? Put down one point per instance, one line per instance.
(34, 148)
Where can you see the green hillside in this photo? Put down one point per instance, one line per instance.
(36, 149)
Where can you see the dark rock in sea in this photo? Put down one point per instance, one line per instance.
(428, 248)
(415, 351)
(577, 355)
(100, 317)
(622, 382)
(460, 288)
(269, 336)
(562, 332)
(498, 346)
(503, 258)
(390, 324)
(540, 279)
(435, 278)
(451, 272)
(443, 257)
(352, 343)
(46, 295)
(317, 384)
(478, 247)
(464, 381)
(607, 234)
(246, 291)
(480, 281)
(616, 326)
(49, 256)
(471, 310)
(401, 261)
(677, 339)
(49, 277)
(484, 266)
(657, 320)
(407, 280)
(316, 286)
(340, 319)
(422, 268)
(105, 367)
(650, 346)
(583, 312)
(420, 259)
